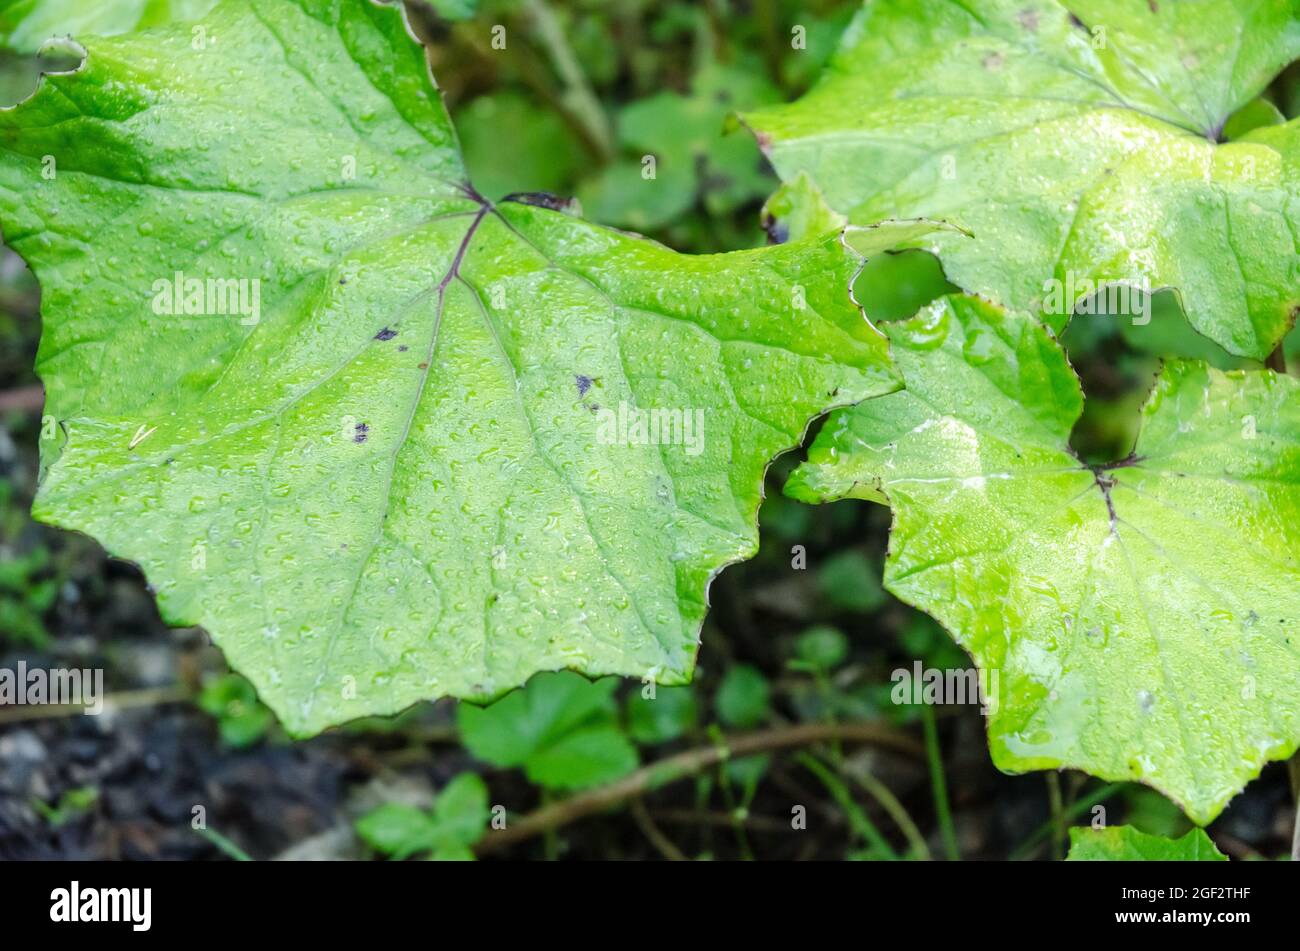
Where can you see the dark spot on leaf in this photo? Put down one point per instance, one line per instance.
(583, 383)
(778, 232)
(343, 280)
(386, 334)
(362, 432)
(1028, 18)
(1075, 21)
(993, 61)
(1153, 6)
(568, 206)
(402, 348)
(424, 366)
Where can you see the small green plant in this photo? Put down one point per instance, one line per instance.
(561, 729)
(26, 594)
(743, 699)
(445, 833)
(663, 715)
(820, 650)
(241, 718)
(72, 804)
(850, 582)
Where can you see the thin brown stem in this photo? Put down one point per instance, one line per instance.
(556, 814)
(150, 697)
(1058, 814)
(653, 834)
(692, 817)
(889, 802)
(577, 93)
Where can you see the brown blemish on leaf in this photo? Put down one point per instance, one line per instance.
(568, 206)
(778, 232)
(1028, 18)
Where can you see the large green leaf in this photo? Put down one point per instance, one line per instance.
(416, 470)
(26, 24)
(1144, 617)
(1126, 844)
(1076, 139)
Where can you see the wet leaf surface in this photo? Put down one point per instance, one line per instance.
(1078, 141)
(405, 462)
(1143, 617)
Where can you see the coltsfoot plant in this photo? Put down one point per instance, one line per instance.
(388, 439)
(1102, 141)
(390, 473)
(1142, 614)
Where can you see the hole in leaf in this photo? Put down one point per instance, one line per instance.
(1117, 357)
(895, 286)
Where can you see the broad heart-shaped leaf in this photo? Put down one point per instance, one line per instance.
(1126, 844)
(1143, 618)
(1077, 140)
(412, 455)
(26, 24)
